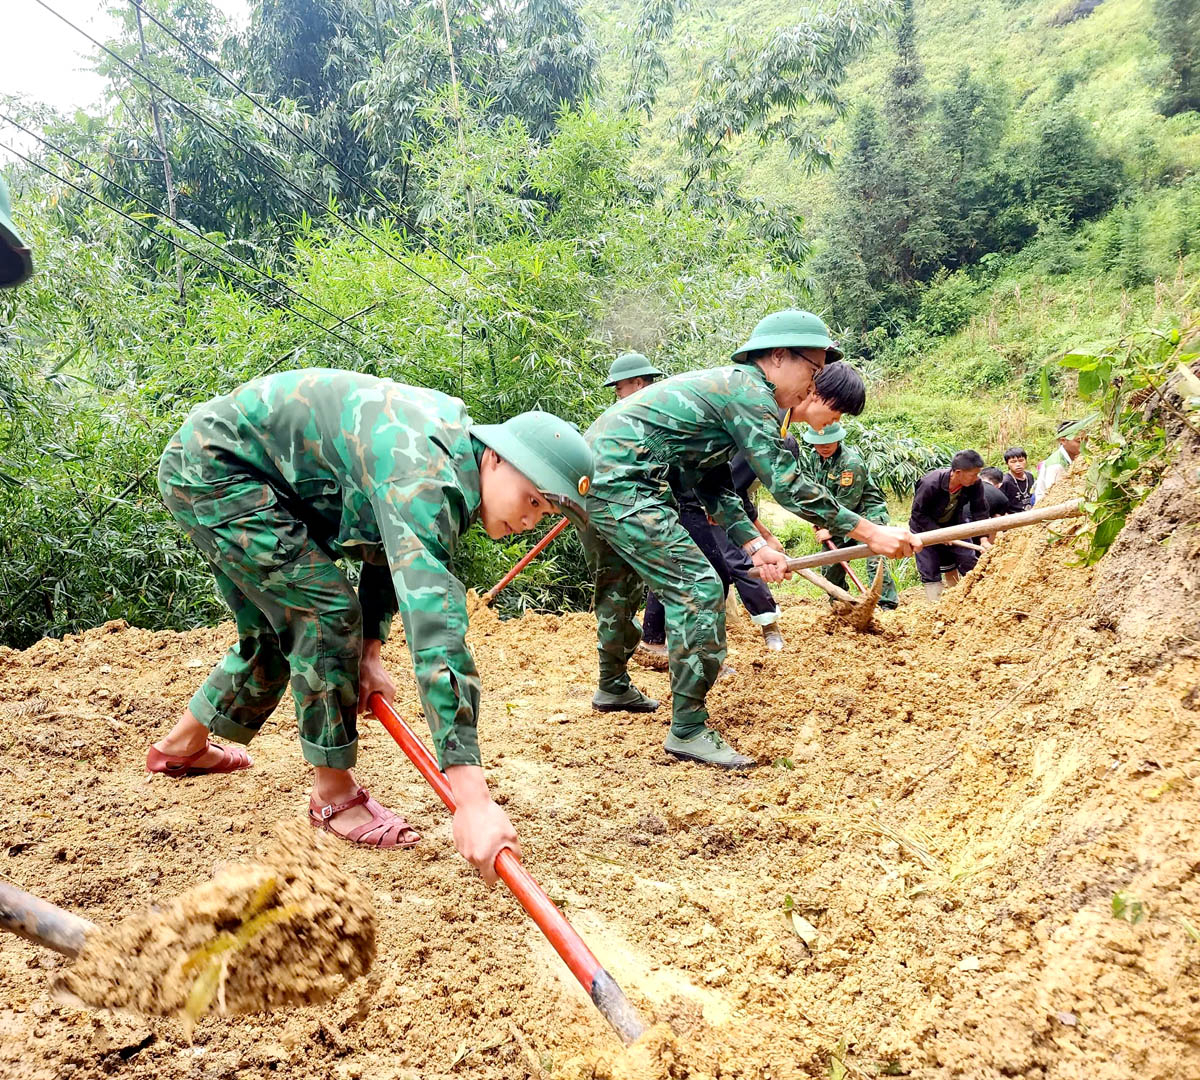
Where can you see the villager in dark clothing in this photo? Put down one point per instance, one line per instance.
(948, 497)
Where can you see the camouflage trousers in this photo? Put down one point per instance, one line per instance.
(298, 618)
(837, 574)
(643, 541)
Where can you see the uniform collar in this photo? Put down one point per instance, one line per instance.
(759, 374)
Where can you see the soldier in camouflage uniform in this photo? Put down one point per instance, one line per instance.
(290, 472)
(679, 428)
(841, 471)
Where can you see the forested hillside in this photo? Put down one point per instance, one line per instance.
(491, 201)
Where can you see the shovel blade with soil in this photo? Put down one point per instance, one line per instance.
(290, 929)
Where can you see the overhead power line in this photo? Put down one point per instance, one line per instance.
(211, 125)
(190, 229)
(274, 301)
(519, 308)
(374, 194)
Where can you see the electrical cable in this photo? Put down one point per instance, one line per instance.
(374, 194)
(273, 301)
(190, 229)
(551, 330)
(254, 154)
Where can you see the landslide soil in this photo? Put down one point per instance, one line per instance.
(951, 801)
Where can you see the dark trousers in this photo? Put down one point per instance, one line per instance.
(932, 560)
(654, 621)
(755, 595)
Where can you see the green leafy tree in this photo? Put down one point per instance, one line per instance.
(1176, 25)
(1063, 170)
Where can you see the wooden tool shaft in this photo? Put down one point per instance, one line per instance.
(964, 531)
(42, 922)
(525, 560)
(829, 587)
(853, 576)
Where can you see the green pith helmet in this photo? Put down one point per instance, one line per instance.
(632, 365)
(16, 261)
(546, 450)
(830, 433)
(791, 329)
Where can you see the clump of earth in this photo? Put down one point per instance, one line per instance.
(968, 850)
(291, 928)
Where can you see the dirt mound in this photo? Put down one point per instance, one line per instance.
(968, 852)
(289, 929)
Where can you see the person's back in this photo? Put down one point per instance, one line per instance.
(329, 439)
(990, 480)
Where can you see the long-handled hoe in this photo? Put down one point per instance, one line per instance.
(862, 608)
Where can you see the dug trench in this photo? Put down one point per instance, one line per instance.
(987, 811)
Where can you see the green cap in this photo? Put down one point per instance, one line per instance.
(791, 329)
(830, 433)
(16, 260)
(632, 365)
(549, 451)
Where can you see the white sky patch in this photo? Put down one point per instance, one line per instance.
(44, 59)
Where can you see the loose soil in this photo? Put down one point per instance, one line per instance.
(291, 928)
(952, 801)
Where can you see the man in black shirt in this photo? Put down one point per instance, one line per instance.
(1018, 484)
(948, 497)
(993, 492)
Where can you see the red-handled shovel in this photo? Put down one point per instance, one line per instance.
(606, 995)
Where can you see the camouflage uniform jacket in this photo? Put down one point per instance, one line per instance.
(844, 475)
(680, 428)
(378, 471)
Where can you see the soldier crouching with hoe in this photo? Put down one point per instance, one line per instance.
(679, 428)
(275, 481)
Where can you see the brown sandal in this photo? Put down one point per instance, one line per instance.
(233, 758)
(386, 829)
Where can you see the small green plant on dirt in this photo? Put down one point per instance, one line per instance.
(211, 961)
(1145, 391)
(1128, 907)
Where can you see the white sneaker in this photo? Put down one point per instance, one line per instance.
(772, 638)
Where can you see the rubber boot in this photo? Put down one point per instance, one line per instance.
(933, 589)
(708, 748)
(772, 638)
(632, 700)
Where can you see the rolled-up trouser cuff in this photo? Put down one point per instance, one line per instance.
(219, 724)
(766, 618)
(330, 757)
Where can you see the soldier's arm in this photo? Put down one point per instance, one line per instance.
(418, 523)
(754, 428)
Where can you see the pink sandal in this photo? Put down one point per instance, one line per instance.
(233, 758)
(386, 829)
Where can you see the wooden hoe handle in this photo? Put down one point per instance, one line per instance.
(964, 531)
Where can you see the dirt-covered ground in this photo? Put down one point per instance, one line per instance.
(952, 802)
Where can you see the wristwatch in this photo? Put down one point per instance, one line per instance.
(755, 545)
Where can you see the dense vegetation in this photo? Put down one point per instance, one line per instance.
(491, 201)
